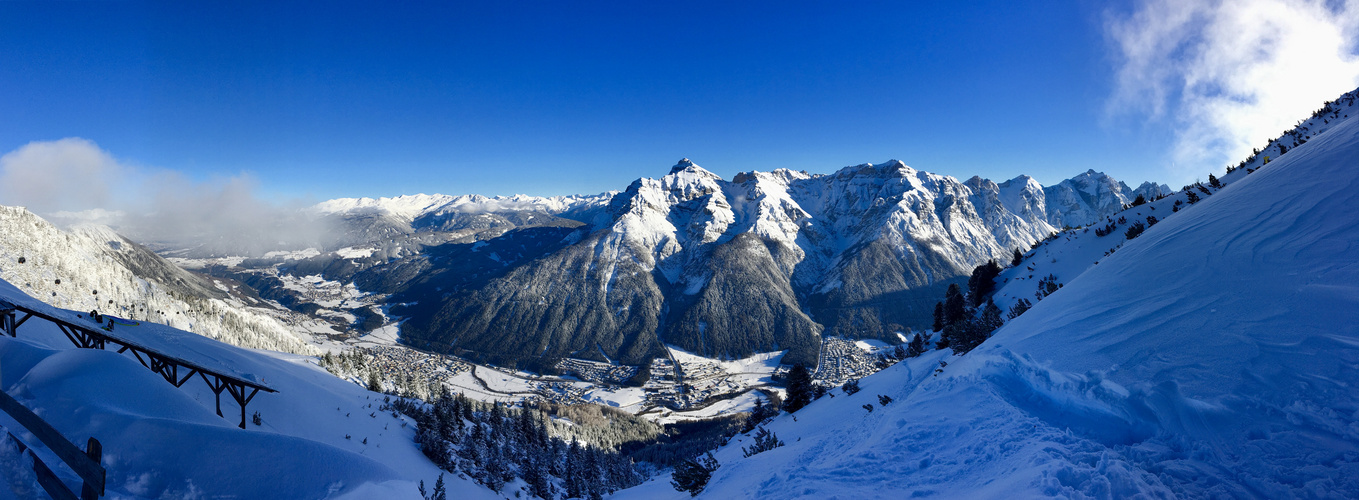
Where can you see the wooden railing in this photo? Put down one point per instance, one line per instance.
(86, 464)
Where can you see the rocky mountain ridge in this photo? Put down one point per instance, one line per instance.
(765, 261)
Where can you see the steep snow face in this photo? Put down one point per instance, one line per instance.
(93, 267)
(658, 218)
(1013, 213)
(820, 218)
(1213, 356)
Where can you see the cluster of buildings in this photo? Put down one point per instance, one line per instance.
(694, 383)
(700, 382)
(594, 371)
(841, 360)
(401, 362)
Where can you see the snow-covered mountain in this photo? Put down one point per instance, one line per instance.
(1212, 355)
(93, 268)
(765, 261)
(472, 214)
(1088, 197)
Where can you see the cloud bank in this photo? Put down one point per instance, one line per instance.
(70, 174)
(1231, 74)
(73, 180)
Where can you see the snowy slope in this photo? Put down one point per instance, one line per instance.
(91, 267)
(1073, 252)
(164, 442)
(1214, 356)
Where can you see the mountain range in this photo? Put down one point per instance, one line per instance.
(765, 261)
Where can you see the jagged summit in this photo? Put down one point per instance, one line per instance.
(683, 164)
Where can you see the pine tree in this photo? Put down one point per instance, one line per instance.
(1018, 258)
(1139, 201)
(1213, 181)
(916, 347)
(574, 472)
(439, 492)
(758, 415)
(990, 318)
(938, 316)
(850, 386)
(982, 281)
(799, 388)
(765, 440)
(955, 305)
(1019, 308)
(535, 475)
(692, 475)
(374, 383)
(969, 334)
(1135, 230)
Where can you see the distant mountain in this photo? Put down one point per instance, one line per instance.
(472, 215)
(1091, 196)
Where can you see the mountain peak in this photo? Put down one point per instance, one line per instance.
(683, 164)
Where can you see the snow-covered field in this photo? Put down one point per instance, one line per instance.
(1215, 356)
(753, 370)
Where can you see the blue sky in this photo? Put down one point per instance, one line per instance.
(580, 97)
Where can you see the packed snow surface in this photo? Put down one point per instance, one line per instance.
(1215, 356)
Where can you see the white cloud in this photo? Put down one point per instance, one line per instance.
(69, 174)
(72, 180)
(1232, 74)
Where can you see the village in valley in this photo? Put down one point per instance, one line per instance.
(679, 387)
